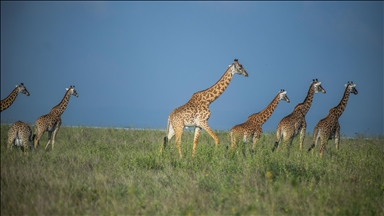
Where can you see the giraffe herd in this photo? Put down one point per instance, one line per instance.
(20, 133)
(195, 113)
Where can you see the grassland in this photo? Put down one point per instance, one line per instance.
(120, 172)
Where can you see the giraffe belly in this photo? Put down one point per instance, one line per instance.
(51, 127)
(190, 123)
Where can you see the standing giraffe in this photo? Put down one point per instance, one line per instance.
(51, 122)
(295, 123)
(8, 101)
(329, 127)
(196, 111)
(20, 134)
(253, 126)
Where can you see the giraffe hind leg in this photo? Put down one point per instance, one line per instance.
(38, 134)
(256, 137)
(11, 139)
(178, 134)
(54, 137)
(195, 140)
(49, 139)
(337, 136)
(234, 136)
(316, 136)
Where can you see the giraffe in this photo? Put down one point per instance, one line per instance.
(20, 134)
(8, 101)
(195, 113)
(51, 122)
(329, 127)
(253, 126)
(295, 123)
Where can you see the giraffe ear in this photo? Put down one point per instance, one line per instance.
(66, 89)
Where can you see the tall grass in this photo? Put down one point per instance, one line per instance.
(120, 172)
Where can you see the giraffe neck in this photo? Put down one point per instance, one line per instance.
(267, 112)
(8, 101)
(59, 109)
(343, 103)
(304, 107)
(211, 94)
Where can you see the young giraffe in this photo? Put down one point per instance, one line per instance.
(329, 127)
(295, 122)
(8, 101)
(51, 122)
(253, 126)
(196, 111)
(20, 134)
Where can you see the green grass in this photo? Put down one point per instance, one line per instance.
(120, 172)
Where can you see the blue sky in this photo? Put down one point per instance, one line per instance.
(134, 62)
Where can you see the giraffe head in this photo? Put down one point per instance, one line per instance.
(351, 87)
(317, 86)
(283, 95)
(237, 68)
(21, 89)
(72, 91)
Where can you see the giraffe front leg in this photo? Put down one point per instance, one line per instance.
(337, 135)
(195, 140)
(210, 132)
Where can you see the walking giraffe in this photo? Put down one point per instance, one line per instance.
(8, 101)
(20, 134)
(329, 127)
(295, 123)
(253, 126)
(51, 122)
(196, 111)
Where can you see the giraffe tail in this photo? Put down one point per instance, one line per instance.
(166, 138)
(278, 138)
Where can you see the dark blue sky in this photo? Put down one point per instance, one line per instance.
(134, 62)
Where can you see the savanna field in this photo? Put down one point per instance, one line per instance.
(109, 171)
